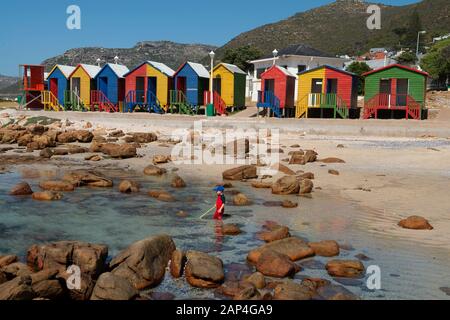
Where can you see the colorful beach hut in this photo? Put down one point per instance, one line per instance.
(229, 83)
(110, 87)
(277, 91)
(58, 81)
(32, 85)
(147, 86)
(327, 91)
(395, 91)
(190, 82)
(82, 81)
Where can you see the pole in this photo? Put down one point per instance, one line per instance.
(204, 214)
(418, 42)
(211, 83)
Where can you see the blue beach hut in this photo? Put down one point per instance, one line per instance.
(192, 79)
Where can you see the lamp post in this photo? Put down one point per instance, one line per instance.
(211, 83)
(418, 42)
(275, 54)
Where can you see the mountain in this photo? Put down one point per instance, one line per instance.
(6, 81)
(340, 27)
(171, 53)
(8, 85)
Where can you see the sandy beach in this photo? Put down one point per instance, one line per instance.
(385, 178)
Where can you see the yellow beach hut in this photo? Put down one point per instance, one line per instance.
(229, 83)
(82, 82)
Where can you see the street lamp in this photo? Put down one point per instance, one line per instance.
(418, 42)
(211, 83)
(275, 54)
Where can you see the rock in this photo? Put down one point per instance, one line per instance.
(241, 200)
(116, 134)
(60, 255)
(127, 186)
(307, 175)
(331, 160)
(21, 189)
(314, 283)
(240, 173)
(40, 142)
(16, 269)
(231, 229)
(3, 277)
(297, 159)
(231, 288)
(47, 153)
(36, 129)
(283, 169)
(326, 248)
(88, 125)
(112, 287)
(310, 156)
(159, 159)
(293, 247)
(257, 279)
(286, 185)
(165, 296)
(178, 182)
(144, 137)
(177, 263)
(292, 291)
(415, 223)
(203, 270)
(144, 262)
(248, 293)
(275, 264)
(122, 151)
(340, 146)
(289, 204)
(7, 260)
(261, 185)
(335, 292)
(46, 286)
(46, 196)
(152, 170)
(94, 158)
(161, 195)
(87, 178)
(83, 136)
(306, 186)
(24, 140)
(345, 268)
(362, 257)
(17, 289)
(333, 172)
(295, 146)
(277, 234)
(56, 186)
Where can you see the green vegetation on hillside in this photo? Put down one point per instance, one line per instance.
(240, 56)
(437, 61)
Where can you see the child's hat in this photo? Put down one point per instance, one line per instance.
(219, 188)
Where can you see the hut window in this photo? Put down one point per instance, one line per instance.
(301, 68)
(259, 72)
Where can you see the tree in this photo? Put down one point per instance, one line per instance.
(407, 58)
(414, 27)
(359, 68)
(241, 55)
(437, 61)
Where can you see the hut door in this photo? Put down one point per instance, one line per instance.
(385, 92)
(332, 85)
(181, 84)
(269, 85)
(76, 86)
(217, 85)
(103, 85)
(152, 85)
(316, 86)
(402, 92)
(54, 86)
(140, 89)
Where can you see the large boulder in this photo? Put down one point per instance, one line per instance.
(345, 268)
(83, 136)
(203, 270)
(331, 160)
(415, 223)
(17, 289)
(7, 260)
(153, 170)
(87, 178)
(326, 248)
(283, 169)
(306, 186)
(122, 151)
(17, 269)
(257, 279)
(21, 189)
(112, 287)
(144, 137)
(144, 262)
(46, 285)
(56, 186)
(160, 159)
(286, 185)
(293, 247)
(46, 196)
(275, 264)
(161, 195)
(292, 291)
(231, 229)
(240, 173)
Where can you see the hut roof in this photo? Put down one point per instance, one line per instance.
(119, 70)
(232, 68)
(396, 66)
(91, 70)
(329, 67)
(162, 67)
(65, 70)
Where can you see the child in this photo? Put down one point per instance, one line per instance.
(220, 203)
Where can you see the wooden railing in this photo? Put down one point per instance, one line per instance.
(219, 105)
(49, 101)
(322, 100)
(385, 101)
(268, 99)
(98, 98)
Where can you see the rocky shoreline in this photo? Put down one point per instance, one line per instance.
(270, 268)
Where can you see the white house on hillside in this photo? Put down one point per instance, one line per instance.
(295, 59)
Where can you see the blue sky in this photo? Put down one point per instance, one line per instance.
(32, 31)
